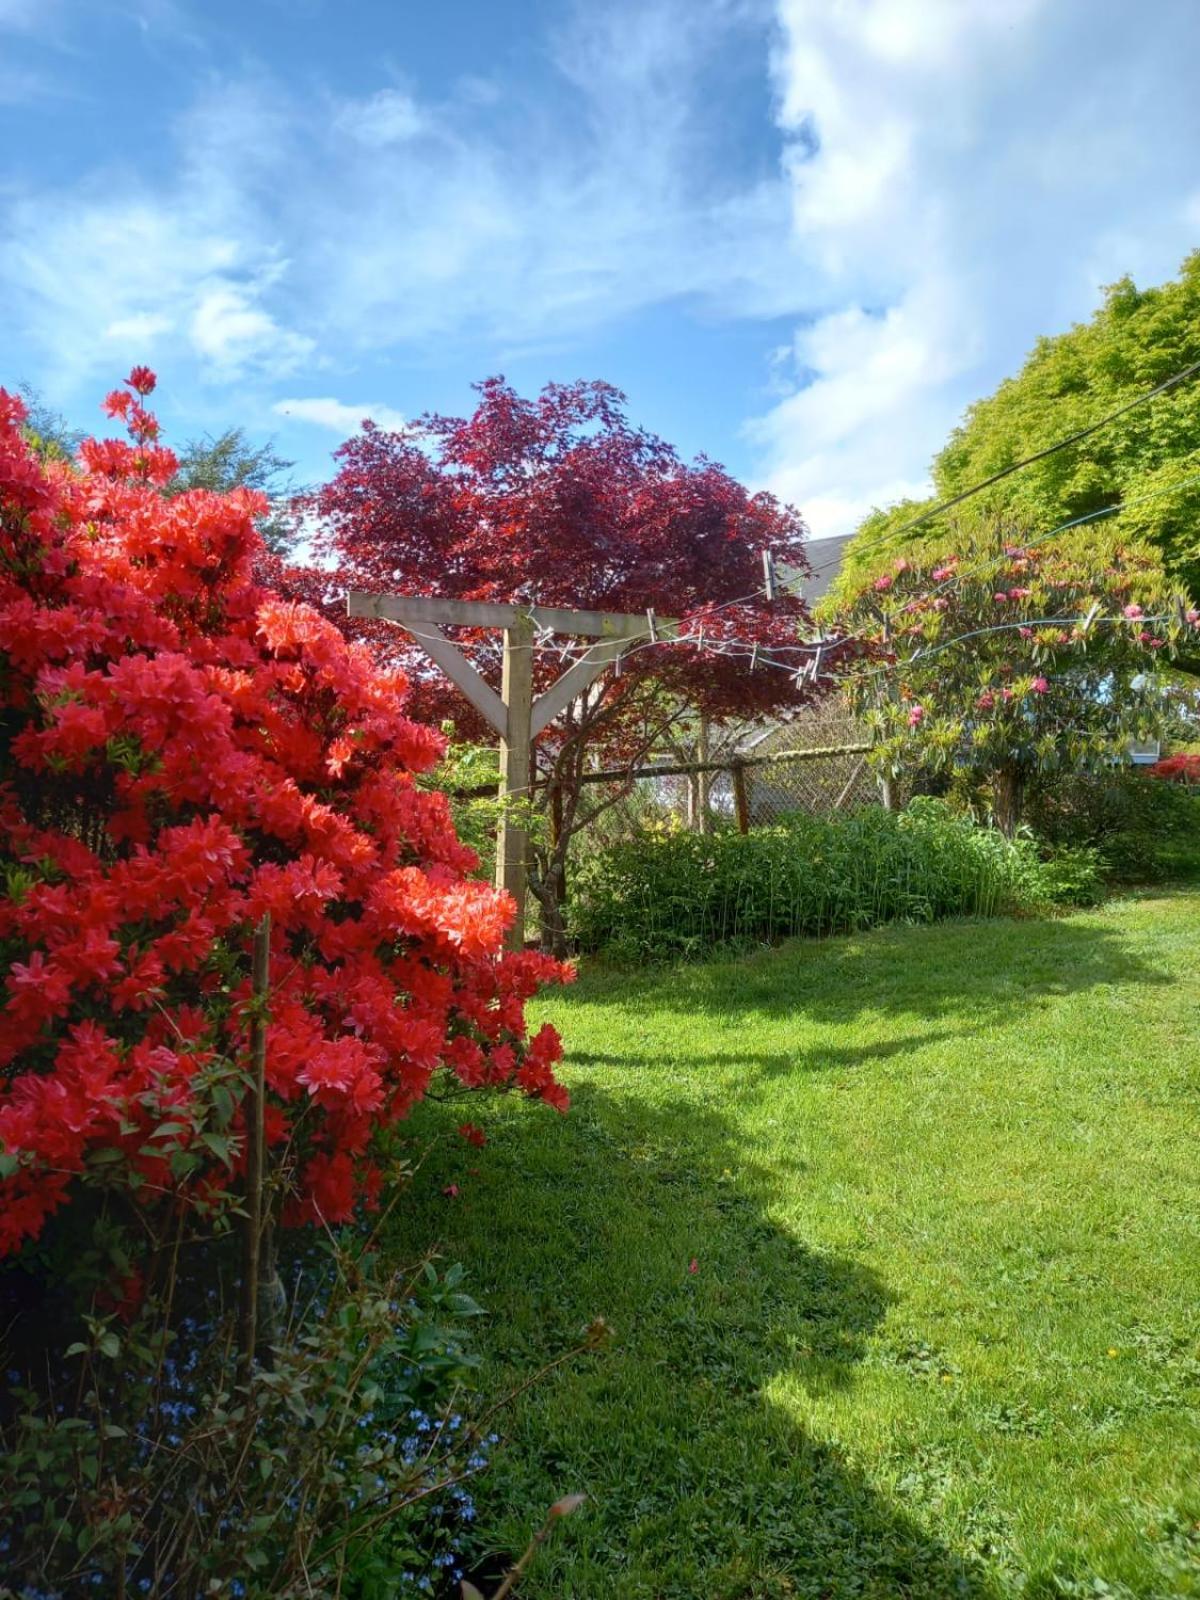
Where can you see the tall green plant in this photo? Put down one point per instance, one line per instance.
(674, 894)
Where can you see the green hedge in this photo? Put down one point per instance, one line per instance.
(1144, 829)
(674, 894)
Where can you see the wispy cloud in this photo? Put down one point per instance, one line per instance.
(290, 229)
(387, 117)
(339, 417)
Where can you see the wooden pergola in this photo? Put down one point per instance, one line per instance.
(514, 713)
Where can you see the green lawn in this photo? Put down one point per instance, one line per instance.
(942, 1191)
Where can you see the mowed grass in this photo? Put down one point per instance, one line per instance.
(941, 1190)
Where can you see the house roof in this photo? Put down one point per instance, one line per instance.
(825, 559)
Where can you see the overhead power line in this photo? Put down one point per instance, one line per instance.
(1028, 461)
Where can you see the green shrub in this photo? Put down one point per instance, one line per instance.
(1145, 830)
(676, 894)
(140, 1460)
(1073, 875)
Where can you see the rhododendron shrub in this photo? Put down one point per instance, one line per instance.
(182, 752)
(1004, 659)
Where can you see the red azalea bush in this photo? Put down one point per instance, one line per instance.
(1183, 767)
(182, 751)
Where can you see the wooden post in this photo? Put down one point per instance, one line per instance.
(741, 800)
(512, 839)
(703, 781)
(255, 1143)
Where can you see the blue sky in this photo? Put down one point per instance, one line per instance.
(801, 234)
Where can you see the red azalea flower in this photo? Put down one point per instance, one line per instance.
(253, 762)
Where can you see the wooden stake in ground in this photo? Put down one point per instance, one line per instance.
(254, 1102)
(514, 713)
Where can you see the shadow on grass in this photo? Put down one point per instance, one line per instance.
(941, 971)
(772, 1064)
(699, 1483)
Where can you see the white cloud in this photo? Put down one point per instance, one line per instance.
(960, 184)
(389, 117)
(140, 328)
(336, 415)
(842, 442)
(232, 331)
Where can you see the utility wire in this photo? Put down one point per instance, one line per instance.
(1028, 461)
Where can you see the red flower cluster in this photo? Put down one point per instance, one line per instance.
(1184, 767)
(183, 752)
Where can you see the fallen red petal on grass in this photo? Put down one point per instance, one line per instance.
(693, 1265)
(451, 1191)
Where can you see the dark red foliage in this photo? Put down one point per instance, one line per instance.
(561, 501)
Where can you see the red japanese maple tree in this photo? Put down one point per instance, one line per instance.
(560, 500)
(181, 751)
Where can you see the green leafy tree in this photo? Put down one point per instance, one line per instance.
(228, 460)
(1147, 461)
(46, 430)
(1000, 660)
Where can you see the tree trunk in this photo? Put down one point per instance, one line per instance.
(553, 898)
(1008, 798)
(554, 928)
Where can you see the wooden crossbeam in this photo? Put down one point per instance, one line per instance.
(408, 609)
(460, 671)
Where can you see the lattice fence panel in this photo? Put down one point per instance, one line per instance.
(818, 787)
